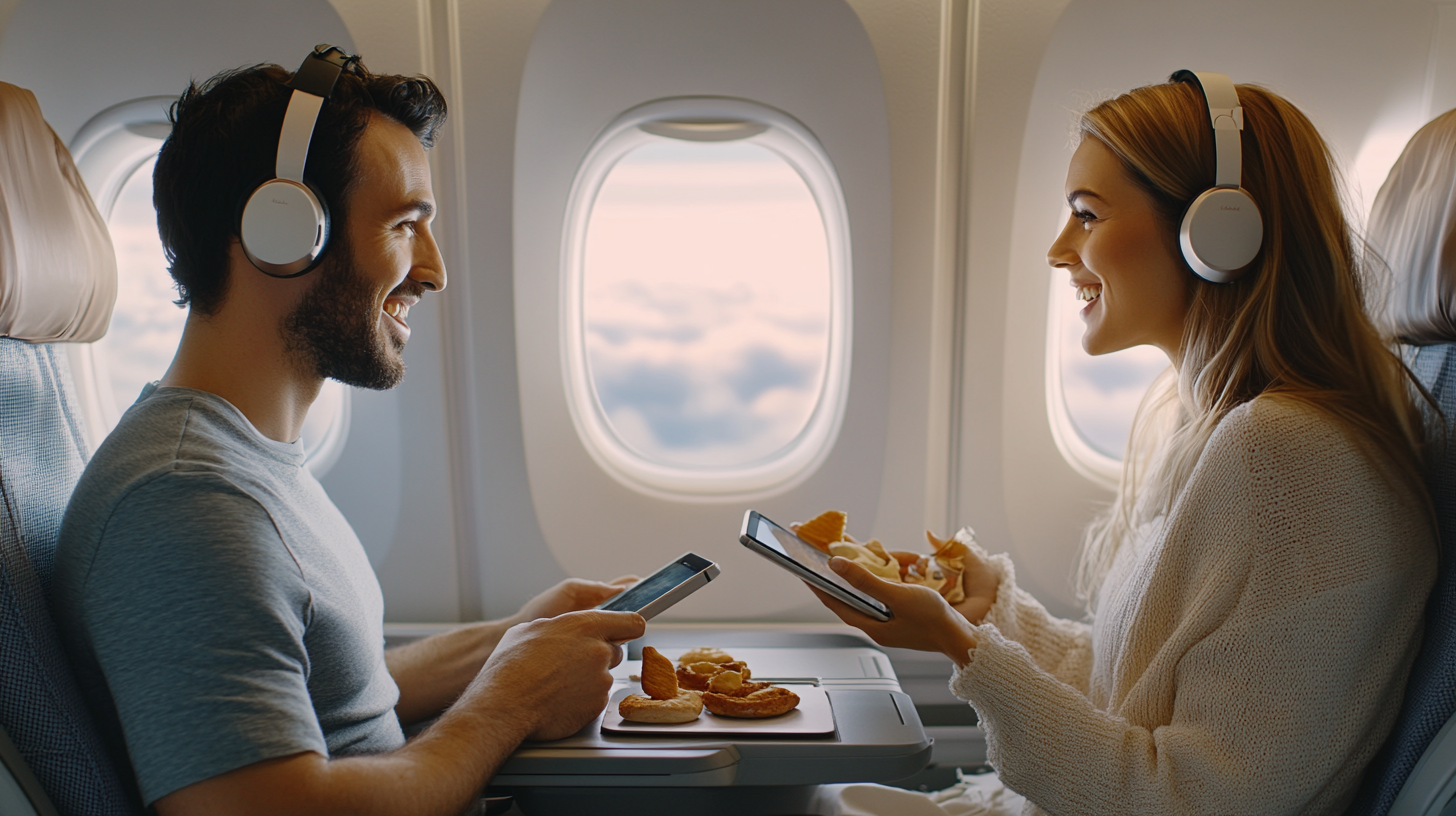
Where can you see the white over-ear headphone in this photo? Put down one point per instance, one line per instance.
(285, 225)
(1222, 229)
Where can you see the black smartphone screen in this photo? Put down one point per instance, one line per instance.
(650, 588)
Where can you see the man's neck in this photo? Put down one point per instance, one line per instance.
(233, 356)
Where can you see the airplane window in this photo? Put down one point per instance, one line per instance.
(706, 287)
(706, 302)
(146, 326)
(1098, 395)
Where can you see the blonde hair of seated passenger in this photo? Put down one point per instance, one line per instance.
(1294, 325)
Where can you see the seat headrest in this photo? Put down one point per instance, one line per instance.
(1413, 229)
(57, 265)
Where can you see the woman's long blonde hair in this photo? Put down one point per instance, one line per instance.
(1295, 324)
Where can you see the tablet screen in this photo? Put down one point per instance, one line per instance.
(786, 543)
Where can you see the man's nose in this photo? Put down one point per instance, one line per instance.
(429, 265)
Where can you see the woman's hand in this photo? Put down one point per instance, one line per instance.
(922, 619)
(980, 586)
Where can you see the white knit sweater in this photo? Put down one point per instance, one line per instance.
(1248, 653)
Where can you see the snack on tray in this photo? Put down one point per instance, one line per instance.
(943, 570)
(765, 702)
(696, 674)
(727, 684)
(704, 654)
(664, 701)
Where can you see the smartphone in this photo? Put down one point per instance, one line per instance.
(663, 588)
(806, 561)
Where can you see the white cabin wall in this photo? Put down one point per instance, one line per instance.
(401, 457)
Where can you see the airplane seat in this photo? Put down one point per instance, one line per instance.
(1412, 232)
(57, 284)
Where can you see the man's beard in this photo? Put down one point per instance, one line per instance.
(335, 330)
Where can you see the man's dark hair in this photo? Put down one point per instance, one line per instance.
(224, 143)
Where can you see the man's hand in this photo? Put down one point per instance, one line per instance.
(922, 619)
(557, 671)
(571, 595)
(431, 673)
(546, 680)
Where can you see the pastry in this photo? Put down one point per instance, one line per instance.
(664, 701)
(765, 702)
(704, 654)
(696, 676)
(685, 707)
(659, 681)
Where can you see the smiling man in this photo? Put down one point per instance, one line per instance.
(222, 617)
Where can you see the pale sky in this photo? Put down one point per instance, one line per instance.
(706, 302)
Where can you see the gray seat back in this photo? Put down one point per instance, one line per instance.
(1412, 234)
(1430, 697)
(42, 453)
(57, 283)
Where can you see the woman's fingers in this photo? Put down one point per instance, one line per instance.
(846, 613)
(862, 579)
(624, 580)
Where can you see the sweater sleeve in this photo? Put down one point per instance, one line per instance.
(1061, 648)
(1267, 653)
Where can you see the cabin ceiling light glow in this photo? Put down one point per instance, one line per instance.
(706, 300)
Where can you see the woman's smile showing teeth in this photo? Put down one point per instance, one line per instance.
(1089, 292)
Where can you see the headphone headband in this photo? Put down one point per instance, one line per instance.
(312, 83)
(1222, 229)
(1226, 116)
(285, 226)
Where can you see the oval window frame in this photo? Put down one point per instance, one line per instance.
(108, 150)
(796, 461)
(1085, 459)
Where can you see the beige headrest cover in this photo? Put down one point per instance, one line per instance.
(57, 266)
(1413, 229)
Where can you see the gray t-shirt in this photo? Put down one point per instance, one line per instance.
(218, 608)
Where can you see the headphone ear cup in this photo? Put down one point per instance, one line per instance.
(284, 228)
(1221, 233)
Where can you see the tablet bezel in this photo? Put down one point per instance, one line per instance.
(860, 602)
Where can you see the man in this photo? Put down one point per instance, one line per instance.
(221, 615)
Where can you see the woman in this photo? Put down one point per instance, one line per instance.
(1258, 582)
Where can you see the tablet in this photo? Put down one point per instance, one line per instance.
(804, 560)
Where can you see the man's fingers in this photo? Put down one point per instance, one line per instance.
(615, 627)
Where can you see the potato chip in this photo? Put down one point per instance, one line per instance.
(823, 530)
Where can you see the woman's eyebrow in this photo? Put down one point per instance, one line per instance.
(1076, 194)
